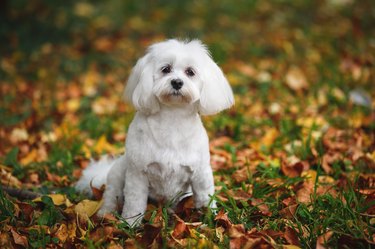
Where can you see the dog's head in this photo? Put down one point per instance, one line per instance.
(178, 73)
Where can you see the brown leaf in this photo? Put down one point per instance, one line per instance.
(291, 237)
(180, 230)
(19, 239)
(223, 219)
(328, 159)
(238, 243)
(5, 241)
(304, 193)
(151, 235)
(263, 208)
(185, 207)
(26, 210)
(323, 239)
(242, 174)
(114, 245)
(294, 169)
(102, 234)
(236, 231)
(335, 139)
(289, 211)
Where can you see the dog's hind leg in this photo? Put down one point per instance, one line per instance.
(113, 194)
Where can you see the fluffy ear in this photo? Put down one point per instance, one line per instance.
(138, 89)
(216, 93)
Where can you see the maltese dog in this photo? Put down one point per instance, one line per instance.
(167, 150)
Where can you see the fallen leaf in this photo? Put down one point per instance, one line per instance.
(19, 239)
(295, 79)
(269, 137)
(7, 179)
(62, 233)
(180, 228)
(291, 237)
(289, 211)
(294, 169)
(323, 239)
(58, 200)
(32, 156)
(18, 135)
(103, 146)
(87, 208)
(222, 219)
(263, 208)
(152, 235)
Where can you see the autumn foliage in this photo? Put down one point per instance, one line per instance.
(293, 161)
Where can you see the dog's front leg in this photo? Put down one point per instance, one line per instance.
(135, 194)
(203, 187)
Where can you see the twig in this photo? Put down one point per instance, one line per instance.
(22, 194)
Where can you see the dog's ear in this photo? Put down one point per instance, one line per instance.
(216, 93)
(138, 89)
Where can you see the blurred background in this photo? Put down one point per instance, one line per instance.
(291, 64)
(296, 154)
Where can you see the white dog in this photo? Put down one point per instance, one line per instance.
(167, 149)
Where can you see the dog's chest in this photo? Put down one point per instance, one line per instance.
(167, 182)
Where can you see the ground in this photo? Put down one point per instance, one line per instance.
(293, 160)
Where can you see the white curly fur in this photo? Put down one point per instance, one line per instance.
(167, 149)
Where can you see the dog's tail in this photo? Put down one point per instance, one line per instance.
(95, 175)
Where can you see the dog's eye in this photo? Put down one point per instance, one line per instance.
(189, 72)
(166, 69)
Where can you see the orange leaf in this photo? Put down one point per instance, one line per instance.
(180, 229)
(223, 219)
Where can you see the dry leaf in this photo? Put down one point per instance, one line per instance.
(223, 220)
(58, 200)
(323, 239)
(8, 180)
(19, 239)
(87, 208)
(296, 79)
(62, 233)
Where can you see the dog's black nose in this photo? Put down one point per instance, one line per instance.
(177, 84)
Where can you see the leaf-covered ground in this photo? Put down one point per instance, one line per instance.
(294, 159)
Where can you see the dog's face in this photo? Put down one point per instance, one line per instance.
(176, 73)
(177, 79)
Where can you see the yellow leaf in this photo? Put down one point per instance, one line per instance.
(103, 146)
(72, 227)
(86, 151)
(62, 233)
(291, 247)
(30, 157)
(269, 137)
(87, 208)
(310, 175)
(58, 200)
(73, 105)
